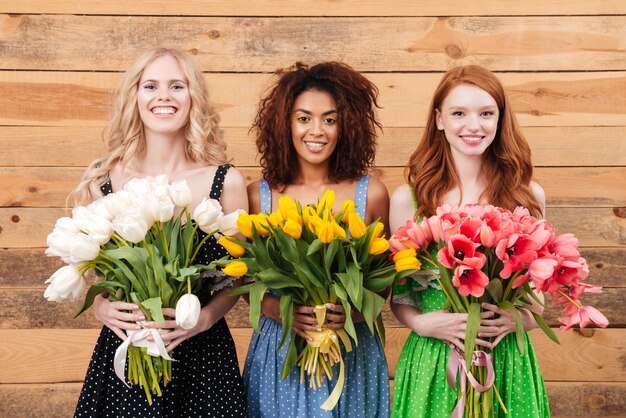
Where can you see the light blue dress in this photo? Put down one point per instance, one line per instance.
(366, 388)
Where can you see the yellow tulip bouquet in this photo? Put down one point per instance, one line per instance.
(313, 256)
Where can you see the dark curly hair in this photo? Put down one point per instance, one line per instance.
(356, 100)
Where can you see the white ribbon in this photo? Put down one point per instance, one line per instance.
(139, 338)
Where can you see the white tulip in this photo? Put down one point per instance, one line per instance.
(59, 244)
(67, 224)
(181, 193)
(227, 224)
(131, 225)
(100, 209)
(116, 203)
(138, 187)
(83, 249)
(65, 282)
(97, 227)
(207, 213)
(187, 311)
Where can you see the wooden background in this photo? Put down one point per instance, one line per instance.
(562, 62)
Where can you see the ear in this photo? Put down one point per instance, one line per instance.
(438, 120)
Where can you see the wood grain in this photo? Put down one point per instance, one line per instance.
(317, 7)
(62, 42)
(564, 186)
(64, 98)
(24, 361)
(594, 227)
(77, 146)
(567, 399)
(22, 308)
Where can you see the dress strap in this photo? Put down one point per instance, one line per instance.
(360, 199)
(218, 181)
(266, 196)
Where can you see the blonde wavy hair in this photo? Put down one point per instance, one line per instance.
(124, 137)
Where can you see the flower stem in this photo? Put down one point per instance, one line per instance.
(573, 302)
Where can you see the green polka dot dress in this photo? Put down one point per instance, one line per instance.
(421, 390)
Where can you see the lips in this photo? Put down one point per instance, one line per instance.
(472, 139)
(315, 146)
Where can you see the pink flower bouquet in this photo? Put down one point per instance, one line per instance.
(489, 254)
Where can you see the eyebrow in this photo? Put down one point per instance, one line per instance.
(169, 81)
(308, 113)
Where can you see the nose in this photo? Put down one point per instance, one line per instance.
(164, 94)
(473, 123)
(316, 127)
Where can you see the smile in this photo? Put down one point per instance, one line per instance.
(315, 146)
(163, 110)
(472, 139)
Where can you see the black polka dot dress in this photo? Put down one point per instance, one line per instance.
(206, 380)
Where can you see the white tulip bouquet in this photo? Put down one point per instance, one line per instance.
(142, 248)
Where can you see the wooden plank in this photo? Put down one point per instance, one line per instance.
(23, 308)
(29, 267)
(567, 399)
(317, 7)
(540, 99)
(586, 186)
(572, 43)
(32, 356)
(58, 146)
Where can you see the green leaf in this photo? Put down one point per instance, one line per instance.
(471, 330)
(342, 295)
(355, 285)
(286, 315)
(545, 328)
(93, 291)
(241, 290)
(372, 306)
(257, 291)
(276, 280)
(380, 326)
(495, 290)
(137, 285)
(290, 358)
(154, 306)
(519, 327)
(314, 247)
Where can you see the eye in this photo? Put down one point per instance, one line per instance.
(178, 86)
(330, 120)
(150, 86)
(457, 113)
(488, 114)
(303, 118)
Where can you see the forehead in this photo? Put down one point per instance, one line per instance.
(164, 67)
(315, 100)
(468, 95)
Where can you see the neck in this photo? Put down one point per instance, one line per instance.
(312, 175)
(164, 154)
(471, 176)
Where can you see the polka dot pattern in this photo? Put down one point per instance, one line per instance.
(206, 380)
(366, 388)
(421, 390)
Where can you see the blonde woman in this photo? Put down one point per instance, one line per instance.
(163, 122)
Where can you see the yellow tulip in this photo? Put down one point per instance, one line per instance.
(236, 268)
(308, 212)
(231, 246)
(286, 205)
(408, 253)
(338, 230)
(356, 225)
(325, 231)
(327, 201)
(379, 228)
(348, 207)
(275, 219)
(244, 223)
(293, 229)
(378, 246)
(408, 263)
(261, 223)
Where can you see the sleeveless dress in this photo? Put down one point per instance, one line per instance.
(206, 380)
(420, 386)
(366, 388)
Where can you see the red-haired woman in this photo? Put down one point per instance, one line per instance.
(472, 151)
(316, 130)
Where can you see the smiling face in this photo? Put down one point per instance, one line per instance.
(314, 129)
(469, 119)
(163, 97)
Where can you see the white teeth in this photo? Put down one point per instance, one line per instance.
(314, 144)
(163, 110)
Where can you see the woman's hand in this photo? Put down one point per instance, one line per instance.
(173, 334)
(446, 326)
(497, 323)
(114, 315)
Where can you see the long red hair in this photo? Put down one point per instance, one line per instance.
(506, 163)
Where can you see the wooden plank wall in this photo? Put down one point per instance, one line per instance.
(563, 64)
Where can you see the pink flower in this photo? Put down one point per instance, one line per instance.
(516, 252)
(541, 270)
(584, 316)
(460, 249)
(470, 281)
(581, 288)
(420, 233)
(566, 246)
(471, 228)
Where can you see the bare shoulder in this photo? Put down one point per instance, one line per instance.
(234, 194)
(401, 207)
(540, 195)
(254, 197)
(377, 192)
